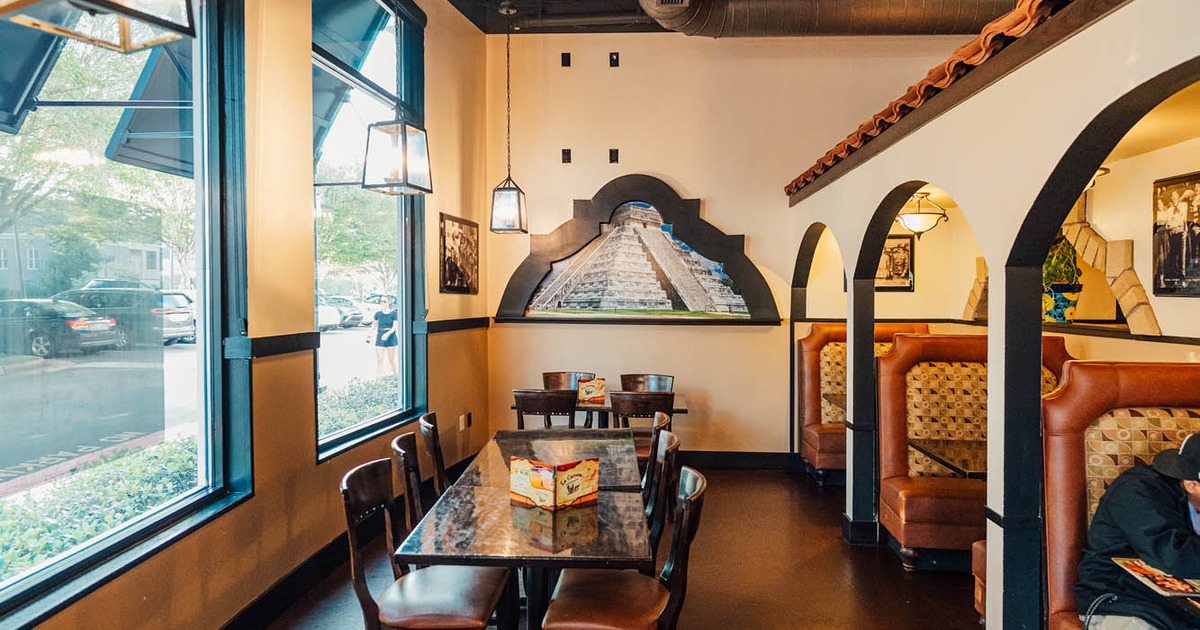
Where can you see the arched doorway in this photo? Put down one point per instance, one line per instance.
(1102, 143)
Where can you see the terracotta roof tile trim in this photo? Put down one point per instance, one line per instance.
(1002, 31)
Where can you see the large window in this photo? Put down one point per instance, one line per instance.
(367, 267)
(109, 335)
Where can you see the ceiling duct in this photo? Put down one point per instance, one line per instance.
(789, 18)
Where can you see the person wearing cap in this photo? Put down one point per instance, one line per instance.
(1148, 512)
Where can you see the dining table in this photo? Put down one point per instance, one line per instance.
(475, 523)
(603, 409)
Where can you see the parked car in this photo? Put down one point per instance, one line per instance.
(142, 315)
(352, 315)
(328, 316)
(45, 328)
(115, 283)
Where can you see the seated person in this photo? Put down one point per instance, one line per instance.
(1148, 512)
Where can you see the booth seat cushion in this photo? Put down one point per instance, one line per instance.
(934, 512)
(823, 446)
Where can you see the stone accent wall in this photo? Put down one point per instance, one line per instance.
(1116, 259)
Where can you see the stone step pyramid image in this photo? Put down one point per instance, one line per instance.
(637, 266)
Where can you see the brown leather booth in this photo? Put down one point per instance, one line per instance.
(823, 432)
(922, 507)
(1146, 406)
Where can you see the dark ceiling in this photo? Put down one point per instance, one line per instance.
(559, 16)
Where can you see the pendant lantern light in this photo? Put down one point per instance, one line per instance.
(397, 159)
(124, 26)
(921, 220)
(508, 200)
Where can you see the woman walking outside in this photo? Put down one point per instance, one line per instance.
(386, 337)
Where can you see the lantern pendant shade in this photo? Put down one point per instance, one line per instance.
(123, 26)
(920, 220)
(397, 160)
(508, 209)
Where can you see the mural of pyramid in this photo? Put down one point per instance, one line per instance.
(637, 266)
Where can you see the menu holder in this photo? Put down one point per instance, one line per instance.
(1157, 580)
(592, 390)
(553, 486)
(559, 530)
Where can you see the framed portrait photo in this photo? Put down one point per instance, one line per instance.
(459, 268)
(896, 264)
(1176, 235)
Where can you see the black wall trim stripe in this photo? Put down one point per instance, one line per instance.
(640, 321)
(451, 325)
(284, 344)
(740, 461)
(1011, 522)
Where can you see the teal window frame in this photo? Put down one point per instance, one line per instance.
(45, 592)
(409, 98)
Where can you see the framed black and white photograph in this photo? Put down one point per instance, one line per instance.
(1177, 235)
(459, 255)
(896, 264)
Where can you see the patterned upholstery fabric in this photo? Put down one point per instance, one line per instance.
(1117, 439)
(833, 377)
(948, 401)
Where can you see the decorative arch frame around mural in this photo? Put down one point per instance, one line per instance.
(683, 214)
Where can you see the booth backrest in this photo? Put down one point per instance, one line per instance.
(935, 386)
(1104, 417)
(823, 366)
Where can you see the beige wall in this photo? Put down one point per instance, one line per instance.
(725, 121)
(203, 580)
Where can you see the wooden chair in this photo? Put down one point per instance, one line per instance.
(647, 383)
(1104, 418)
(445, 597)
(433, 446)
(568, 380)
(626, 405)
(607, 599)
(656, 484)
(546, 403)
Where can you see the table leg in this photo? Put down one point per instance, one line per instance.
(602, 419)
(537, 595)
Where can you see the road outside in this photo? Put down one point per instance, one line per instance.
(56, 411)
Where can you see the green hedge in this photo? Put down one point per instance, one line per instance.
(91, 501)
(357, 401)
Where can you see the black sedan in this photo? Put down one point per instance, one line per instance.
(46, 328)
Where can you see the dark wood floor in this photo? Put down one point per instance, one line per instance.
(769, 555)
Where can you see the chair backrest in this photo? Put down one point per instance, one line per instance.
(823, 366)
(687, 521)
(564, 380)
(626, 405)
(647, 382)
(658, 483)
(935, 386)
(404, 458)
(662, 422)
(546, 403)
(433, 445)
(367, 491)
(1147, 407)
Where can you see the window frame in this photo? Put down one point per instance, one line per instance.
(3, 259)
(412, 359)
(33, 259)
(44, 592)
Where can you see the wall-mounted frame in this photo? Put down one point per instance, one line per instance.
(1177, 235)
(638, 253)
(897, 264)
(459, 255)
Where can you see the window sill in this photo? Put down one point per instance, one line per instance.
(52, 598)
(349, 441)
